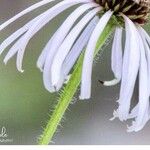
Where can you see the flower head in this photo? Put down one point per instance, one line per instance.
(81, 30)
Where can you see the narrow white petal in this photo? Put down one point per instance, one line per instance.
(147, 47)
(62, 32)
(17, 34)
(89, 55)
(45, 52)
(14, 49)
(47, 16)
(130, 69)
(11, 39)
(143, 104)
(116, 59)
(137, 1)
(76, 50)
(53, 45)
(67, 44)
(78, 46)
(31, 8)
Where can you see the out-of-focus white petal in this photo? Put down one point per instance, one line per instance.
(142, 32)
(46, 52)
(137, 1)
(89, 55)
(130, 69)
(143, 104)
(61, 33)
(67, 45)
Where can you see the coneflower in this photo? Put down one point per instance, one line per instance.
(79, 34)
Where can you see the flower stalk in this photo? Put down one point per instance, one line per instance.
(70, 89)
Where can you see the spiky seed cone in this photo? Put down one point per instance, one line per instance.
(137, 12)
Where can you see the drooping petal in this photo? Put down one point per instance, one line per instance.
(146, 41)
(61, 33)
(146, 36)
(47, 16)
(116, 58)
(116, 63)
(143, 104)
(76, 50)
(15, 36)
(89, 55)
(52, 47)
(48, 50)
(130, 69)
(78, 46)
(29, 9)
(67, 45)
(21, 44)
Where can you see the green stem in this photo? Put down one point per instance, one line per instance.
(69, 90)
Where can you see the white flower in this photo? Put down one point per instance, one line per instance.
(77, 33)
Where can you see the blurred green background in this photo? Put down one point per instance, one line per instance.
(25, 104)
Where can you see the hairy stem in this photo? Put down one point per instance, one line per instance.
(70, 89)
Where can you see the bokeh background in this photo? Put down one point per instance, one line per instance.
(25, 104)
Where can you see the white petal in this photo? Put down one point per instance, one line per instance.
(16, 35)
(142, 32)
(130, 69)
(146, 35)
(52, 47)
(47, 16)
(31, 8)
(143, 104)
(76, 50)
(89, 55)
(61, 34)
(67, 44)
(116, 63)
(116, 58)
(78, 46)
(111, 82)
(46, 52)
(14, 49)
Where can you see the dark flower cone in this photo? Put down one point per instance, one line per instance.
(137, 12)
